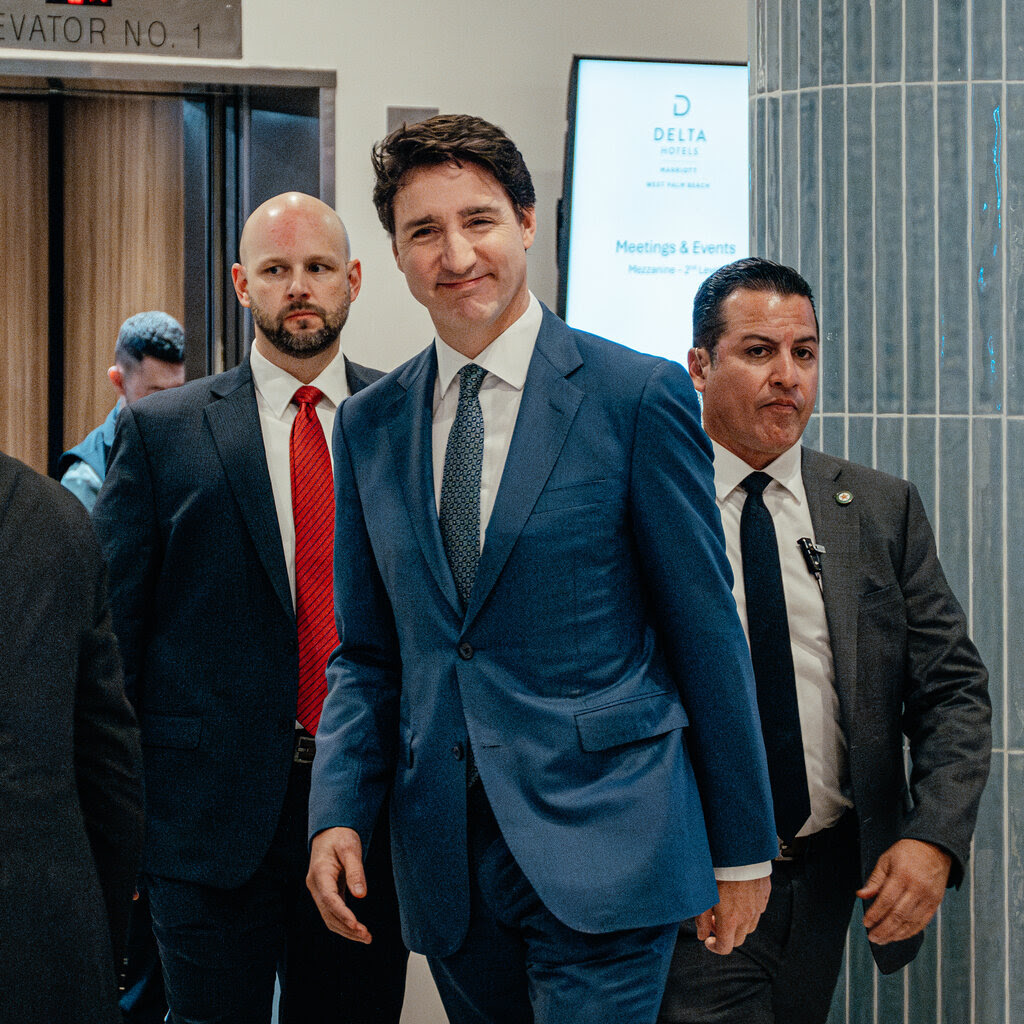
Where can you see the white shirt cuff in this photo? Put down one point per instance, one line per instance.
(743, 872)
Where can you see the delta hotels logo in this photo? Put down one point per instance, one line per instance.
(679, 139)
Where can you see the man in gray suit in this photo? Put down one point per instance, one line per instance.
(857, 642)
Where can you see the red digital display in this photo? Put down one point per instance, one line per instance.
(90, 3)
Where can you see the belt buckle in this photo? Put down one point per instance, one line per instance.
(305, 749)
(790, 850)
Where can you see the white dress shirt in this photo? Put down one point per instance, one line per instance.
(274, 391)
(825, 754)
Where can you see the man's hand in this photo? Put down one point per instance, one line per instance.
(336, 863)
(735, 915)
(907, 886)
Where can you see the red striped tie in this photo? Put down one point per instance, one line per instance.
(313, 505)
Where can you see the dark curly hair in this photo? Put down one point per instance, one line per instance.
(448, 138)
(153, 333)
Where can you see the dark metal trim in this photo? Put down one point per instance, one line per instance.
(196, 121)
(55, 287)
(198, 76)
(328, 145)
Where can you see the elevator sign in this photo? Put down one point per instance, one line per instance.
(151, 28)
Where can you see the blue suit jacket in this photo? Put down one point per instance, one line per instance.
(600, 670)
(204, 617)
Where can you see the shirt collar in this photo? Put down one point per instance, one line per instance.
(277, 386)
(507, 357)
(731, 471)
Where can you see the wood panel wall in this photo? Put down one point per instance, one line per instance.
(124, 230)
(24, 345)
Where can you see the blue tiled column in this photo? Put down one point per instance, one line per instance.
(887, 149)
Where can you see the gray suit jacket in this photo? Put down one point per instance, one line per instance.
(904, 666)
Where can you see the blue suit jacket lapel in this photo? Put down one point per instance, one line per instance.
(235, 425)
(837, 528)
(410, 428)
(546, 412)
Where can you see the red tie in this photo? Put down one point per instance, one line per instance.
(313, 505)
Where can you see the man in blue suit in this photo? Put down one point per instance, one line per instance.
(215, 577)
(539, 655)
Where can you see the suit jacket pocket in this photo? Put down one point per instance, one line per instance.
(175, 731)
(626, 721)
(882, 596)
(587, 492)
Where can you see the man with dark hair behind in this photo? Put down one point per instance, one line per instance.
(857, 642)
(526, 537)
(149, 356)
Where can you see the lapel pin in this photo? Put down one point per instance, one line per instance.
(843, 497)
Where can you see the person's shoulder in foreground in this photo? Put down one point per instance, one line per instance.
(70, 786)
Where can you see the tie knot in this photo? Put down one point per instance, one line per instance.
(756, 483)
(307, 395)
(471, 377)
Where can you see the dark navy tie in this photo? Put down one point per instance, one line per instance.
(459, 513)
(772, 655)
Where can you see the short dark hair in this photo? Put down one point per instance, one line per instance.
(754, 273)
(153, 334)
(448, 138)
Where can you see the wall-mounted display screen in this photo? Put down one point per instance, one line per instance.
(655, 195)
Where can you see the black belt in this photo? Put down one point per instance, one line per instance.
(795, 848)
(800, 846)
(305, 747)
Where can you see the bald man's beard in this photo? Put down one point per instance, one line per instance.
(301, 344)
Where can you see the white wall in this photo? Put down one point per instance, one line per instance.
(507, 62)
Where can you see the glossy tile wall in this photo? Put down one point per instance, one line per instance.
(887, 152)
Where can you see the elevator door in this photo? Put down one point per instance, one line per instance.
(24, 321)
(119, 197)
(124, 236)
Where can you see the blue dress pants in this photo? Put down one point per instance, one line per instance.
(520, 965)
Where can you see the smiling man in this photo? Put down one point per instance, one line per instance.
(217, 518)
(857, 642)
(533, 603)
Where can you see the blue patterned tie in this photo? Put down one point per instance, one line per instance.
(772, 655)
(459, 514)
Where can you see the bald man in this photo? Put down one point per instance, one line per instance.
(216, 520)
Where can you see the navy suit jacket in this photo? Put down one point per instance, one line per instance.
(203, 613)
(904, 666)
(600, 670)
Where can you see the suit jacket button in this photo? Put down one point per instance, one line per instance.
(465, 650)
(458, 752)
